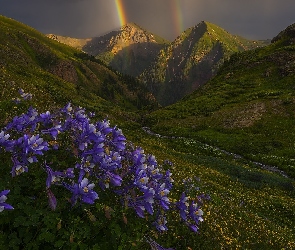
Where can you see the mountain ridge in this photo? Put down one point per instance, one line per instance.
(191, 60)
(128, 50)
(247, 108)
(56, 73)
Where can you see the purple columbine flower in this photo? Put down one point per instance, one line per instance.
(18, 168)
(82, 190)
(25, 96)
(162, 193)
(3, 198)
(33, 144)
(160, 223)
(182, 206)
(52, 176)
(54, 131)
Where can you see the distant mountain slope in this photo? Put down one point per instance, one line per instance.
(248, 108)
(130, 50)
(191, 60)
(55, 74)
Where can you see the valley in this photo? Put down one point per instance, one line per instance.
(219, 107)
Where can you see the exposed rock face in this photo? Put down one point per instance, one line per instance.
(65, 70)
(129, 50)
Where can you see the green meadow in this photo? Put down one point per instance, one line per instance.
(246, 110)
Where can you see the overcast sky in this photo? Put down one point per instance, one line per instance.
(253, 19)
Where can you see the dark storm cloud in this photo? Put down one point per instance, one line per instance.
(256, 19)
(79, 18)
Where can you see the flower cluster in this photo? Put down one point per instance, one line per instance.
(102, 160)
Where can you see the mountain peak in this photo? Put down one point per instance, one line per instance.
(131, 25)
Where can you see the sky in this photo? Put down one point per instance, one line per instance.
(253, 19)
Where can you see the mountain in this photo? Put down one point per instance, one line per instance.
(251, 207)
(247, 108)
(129, 50)
(191, 60)
(56, 73)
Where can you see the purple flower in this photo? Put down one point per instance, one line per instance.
(119, 140)
(52, 176)
(83, 191)
(3, 137)
(25, 96)
(34, 144)
(160, 223)
(162, 193)
(155, 245)
(182, 206)
(104, 127)
(67, 109)
(195, 212)
(18, 168)
(3, 198)
(4, 140)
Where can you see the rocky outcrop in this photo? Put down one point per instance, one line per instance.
(65, 70)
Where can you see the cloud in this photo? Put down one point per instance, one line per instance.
(85, 18)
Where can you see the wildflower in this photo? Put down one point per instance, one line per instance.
(162, 193)
(18, 168)
(67, 109)
(155, 246)
(160, 223)
(182, 206)
(25, 96)
(3, 198)
(52, 176)
(54, 131)
(82, 190)
(34, 144)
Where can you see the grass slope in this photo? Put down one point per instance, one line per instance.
(250, 208)
(55, 74)
(248, 108)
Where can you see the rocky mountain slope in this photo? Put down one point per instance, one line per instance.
(129, 50)
(247, 108)
(191, 60)
(55, 74)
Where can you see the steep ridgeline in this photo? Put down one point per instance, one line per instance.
(191, 60)
(56, 74)
(247, 108)
(128, 50)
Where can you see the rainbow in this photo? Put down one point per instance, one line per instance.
(177, 16)
(121, 12)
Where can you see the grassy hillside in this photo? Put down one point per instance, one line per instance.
(55, 74)
(191, 60)
(250, 208)
(248, 108)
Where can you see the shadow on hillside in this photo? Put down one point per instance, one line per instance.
(131, 60)
(135, 58)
